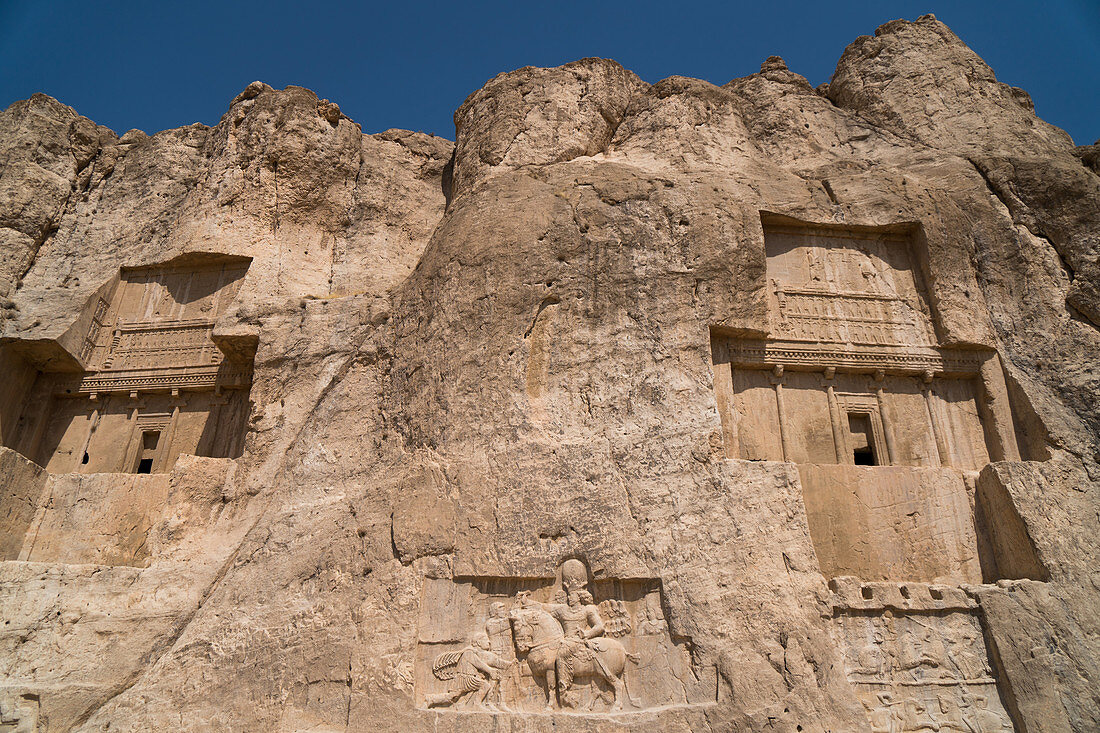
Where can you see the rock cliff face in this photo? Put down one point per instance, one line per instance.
(786, 398)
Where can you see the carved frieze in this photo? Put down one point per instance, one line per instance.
(758, 353)
(522, 645)
(829, 286)
(166, 344)
(917, 657)
(817, 315)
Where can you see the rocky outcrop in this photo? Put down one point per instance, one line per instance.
(476, 362)
(46, 147)
(951, 101)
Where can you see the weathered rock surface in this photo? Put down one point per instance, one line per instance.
(473, 362)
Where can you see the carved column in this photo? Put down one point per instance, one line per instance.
(165, 448)
(840, 445)
(93, 423)
(129, 461)
(887, 424)
(941, 446)
(777, 383)
(216, 444)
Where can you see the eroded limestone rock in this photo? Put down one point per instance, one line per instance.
(667, 407)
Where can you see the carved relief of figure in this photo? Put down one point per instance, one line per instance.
(565, 641)
(650, 620)
(970, 664)
(935, 664)
(582, 627)
(885, 716)
(950, 716)
(816, 264)
(871, 659)
(922, 654)
(473, 673)
(916, 717)
(499, 631)
(909, 653)
(870, 275)
(581, 623)
(525, 644)
(983, 720)
(932, 653)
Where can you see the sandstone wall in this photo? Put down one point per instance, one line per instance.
(476, 362)
(21, 483)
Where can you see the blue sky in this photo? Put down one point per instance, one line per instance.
(153, 65)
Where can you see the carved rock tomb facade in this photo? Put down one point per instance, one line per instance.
(637, 407)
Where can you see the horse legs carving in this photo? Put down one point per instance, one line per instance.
(539, 635)
(551, 687)
(612, 669)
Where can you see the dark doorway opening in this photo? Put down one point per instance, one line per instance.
(150, 439)
(861, 434)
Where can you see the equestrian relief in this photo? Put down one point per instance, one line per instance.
(500, 645)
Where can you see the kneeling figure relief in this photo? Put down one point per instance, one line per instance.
(520, 645)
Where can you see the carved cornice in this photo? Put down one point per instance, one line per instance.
(159, 380)
(761, 354)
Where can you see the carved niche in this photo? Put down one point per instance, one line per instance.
(154, 383)
(850, 381)
(567, 644)
(851, 371)
(917, 657)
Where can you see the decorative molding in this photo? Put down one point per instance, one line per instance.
(917, 656)
(158, 380)
(912, 361)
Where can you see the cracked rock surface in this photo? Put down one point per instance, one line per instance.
(477, 359)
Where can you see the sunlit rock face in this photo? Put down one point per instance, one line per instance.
(639, 407)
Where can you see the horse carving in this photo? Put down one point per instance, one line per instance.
(559, 658)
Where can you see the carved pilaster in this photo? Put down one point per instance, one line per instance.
(777, 380)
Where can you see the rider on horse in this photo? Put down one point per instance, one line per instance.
(580, 620)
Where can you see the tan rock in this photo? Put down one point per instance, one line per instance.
(670, 407)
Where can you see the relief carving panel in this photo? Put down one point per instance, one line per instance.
(528, 645)
(161, 318)
(917, 657)
(846, 289)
